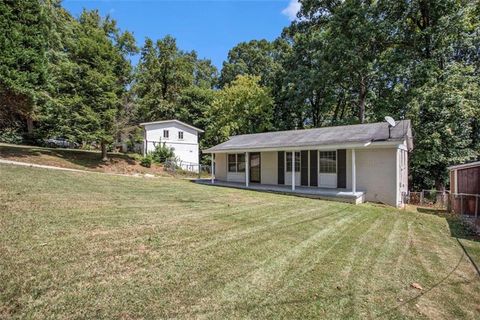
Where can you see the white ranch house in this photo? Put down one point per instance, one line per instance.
(182, 137)
(355, 163)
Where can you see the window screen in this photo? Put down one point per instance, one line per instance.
(240, 162)
(328, 162)
(232, 163)
(289, 161)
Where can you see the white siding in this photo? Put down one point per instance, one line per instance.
(269, 166)
(236, 176)
(377, 171)
(376, 174)
(221, 166)
(185, 149)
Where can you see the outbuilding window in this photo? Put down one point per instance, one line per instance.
(180, 135)
(236, 162)
(328, 162)
(165, 134)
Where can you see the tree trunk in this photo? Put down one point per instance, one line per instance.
(29, 125)
(361, 101)
(104, 151)
(337, 110)
(439, 185)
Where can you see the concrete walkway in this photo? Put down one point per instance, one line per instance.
(34, 165)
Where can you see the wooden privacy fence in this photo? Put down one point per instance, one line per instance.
(465, 204)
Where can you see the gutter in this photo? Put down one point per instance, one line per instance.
(369, 144)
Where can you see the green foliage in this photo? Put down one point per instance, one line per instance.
(9, 135)
(243, 106)
(355, 61)
(257, 57)
(163, 74)
(193, 107)
(146, 161)
(162, 153)
(24, 42)
(445, 109)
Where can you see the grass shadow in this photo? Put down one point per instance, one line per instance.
(459, 229)
(88, 159)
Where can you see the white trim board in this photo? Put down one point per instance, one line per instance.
(368, 145)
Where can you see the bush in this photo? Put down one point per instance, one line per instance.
(146, 161)
(135, 156)
(162, 153)
(10, 136)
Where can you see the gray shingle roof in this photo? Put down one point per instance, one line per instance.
(172, 120)
(351, 134)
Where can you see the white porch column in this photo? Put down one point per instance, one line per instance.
(247, 169)
(354, 173)
(213, 167)
(145, 142)
(293, 170)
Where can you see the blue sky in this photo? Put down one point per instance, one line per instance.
(211, 28)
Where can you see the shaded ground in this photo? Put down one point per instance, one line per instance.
(75, 245)
(75, 159)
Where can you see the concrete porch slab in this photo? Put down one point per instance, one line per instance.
(343, 195)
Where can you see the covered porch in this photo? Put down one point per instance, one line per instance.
(336, 194)
(319, 168)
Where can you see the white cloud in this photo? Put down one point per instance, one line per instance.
(292, 9)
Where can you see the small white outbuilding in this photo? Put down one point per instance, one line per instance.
(181, 137)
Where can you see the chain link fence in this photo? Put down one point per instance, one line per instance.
(187, 169)
(460, 203)
(428, 198)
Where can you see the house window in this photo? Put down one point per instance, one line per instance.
(289, 162)
(236, 162)
(328, 162)
(165, 134)
(180, 135)
(240, 162)
(232, 163)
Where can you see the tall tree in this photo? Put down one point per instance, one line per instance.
(437, 40)
(359, 60)
(164, 71)
(354, 35)
(99, 71)
(24, 42)
(264, 59)
(257, 58)
(443, 110)
(243, 106)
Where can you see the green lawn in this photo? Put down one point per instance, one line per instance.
(87, 245)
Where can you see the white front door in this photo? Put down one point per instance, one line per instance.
(327, 164)
(288, 168)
